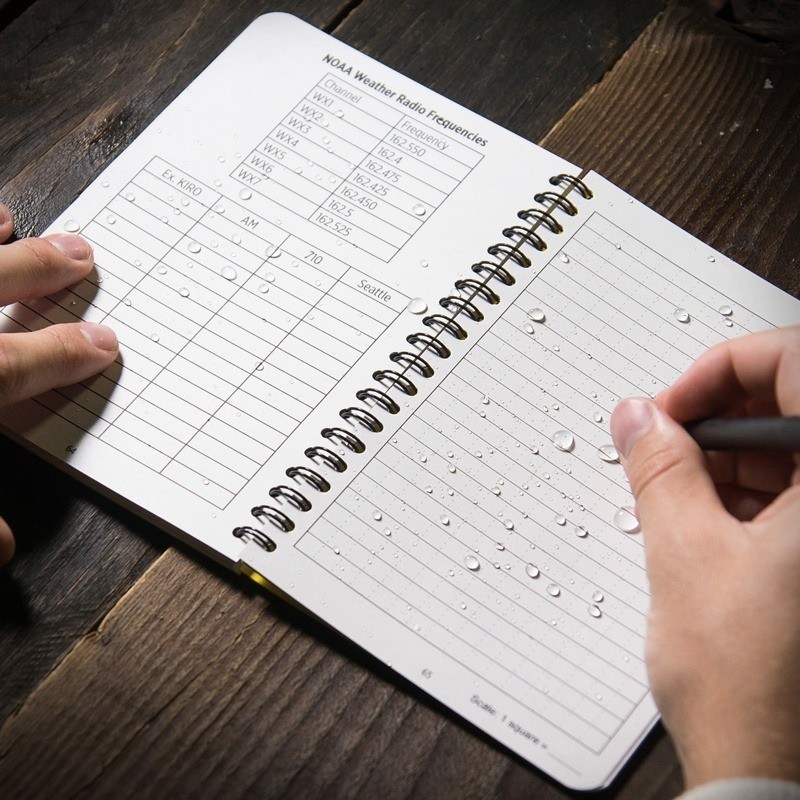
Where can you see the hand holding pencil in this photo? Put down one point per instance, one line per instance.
(722, 539)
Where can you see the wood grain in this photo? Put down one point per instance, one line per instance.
(687, 122)
(194, 687)
(79, 82)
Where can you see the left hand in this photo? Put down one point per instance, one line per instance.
(58, 355)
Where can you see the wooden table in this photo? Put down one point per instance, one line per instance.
(130, 668)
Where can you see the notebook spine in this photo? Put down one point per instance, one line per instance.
(409, 367)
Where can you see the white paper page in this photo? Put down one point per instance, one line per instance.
(480, 560)
(251, 245)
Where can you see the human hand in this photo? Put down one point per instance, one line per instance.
(58, 355)
(722, 543)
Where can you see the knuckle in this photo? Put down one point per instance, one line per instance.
(9, 370)
(39, 255)
(67, 349)
(651, 469)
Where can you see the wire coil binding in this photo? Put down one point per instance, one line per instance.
(462, 304)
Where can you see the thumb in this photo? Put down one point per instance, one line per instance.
(675, 494)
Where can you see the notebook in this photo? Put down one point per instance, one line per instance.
(370, 343)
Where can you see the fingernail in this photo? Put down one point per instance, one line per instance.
(74, 246)
(632, 418)
(5, 215)
(100, 336)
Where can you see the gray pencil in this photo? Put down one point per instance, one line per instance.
(748, 433)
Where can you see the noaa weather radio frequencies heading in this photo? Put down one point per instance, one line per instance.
(356, 168)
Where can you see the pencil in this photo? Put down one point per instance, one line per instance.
(748, 433)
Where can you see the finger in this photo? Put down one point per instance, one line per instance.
(59, 355)
(7, 545)
(36, 267)
(6, 222)
(668, 475)
(763, 472)
(764, 365)
(744, 504)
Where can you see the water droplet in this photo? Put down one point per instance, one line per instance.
(228, 272)
(423, 459)
(537, 315)
(126, 301)
(245, 194)
(183, 291)
(532, 571)
(111, 219)
(496, 490)
(339, 112)
(565, 258)
(712, 259)
(726, 311)
(597, 416)
(236, 239)
(263, 288)
(276, 253)
(194, 247)
(154, 337)
(499, 546)
(626, 520)
(560, 519)
(618, 246)
(420, 210)
(509, 525)
(595, 611)
(528, 328)
(377, 516)
(471, 562)
(608, 452)
(681, 314)
(445, 520)
(336, 550)
(424, 264)
(417, 306)
(563, 440)
(162, 270)
(72, 226)
(597, 596)
(581, 532)
(729, 323)
(553, 590)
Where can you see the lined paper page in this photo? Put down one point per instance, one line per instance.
(493, 548)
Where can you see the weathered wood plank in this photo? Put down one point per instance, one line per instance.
(198, 689)
(704, 128)
(66, 115)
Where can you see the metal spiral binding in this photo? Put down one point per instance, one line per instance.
(461, 304)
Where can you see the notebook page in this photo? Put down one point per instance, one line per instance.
(251, 245)
(480, 558)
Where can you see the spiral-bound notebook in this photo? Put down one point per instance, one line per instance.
(370, 343)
